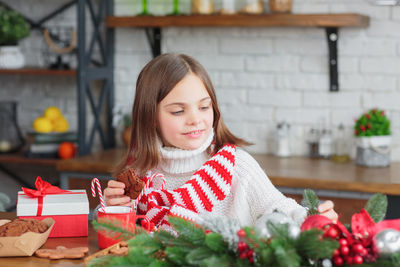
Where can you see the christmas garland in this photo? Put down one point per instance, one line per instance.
(274, 241)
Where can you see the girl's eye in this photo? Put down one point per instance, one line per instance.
(204, 108)
(177, 112)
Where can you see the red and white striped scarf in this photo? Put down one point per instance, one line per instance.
(208, 186)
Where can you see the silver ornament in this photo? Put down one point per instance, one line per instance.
(326, 263)
(387, 241)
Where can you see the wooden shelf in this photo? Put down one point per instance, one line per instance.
(38, 71)
(240, 20)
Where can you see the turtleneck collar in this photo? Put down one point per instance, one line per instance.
(177, 161)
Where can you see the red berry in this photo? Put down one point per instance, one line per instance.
(358, 259)
(336, 253)
(344, 250)
(343, 242)
(357, 248)
(349, 260)
(364, 252)
(241, 233)
(373, 111)
(369, 126)
(250, 253)
(208, 231)
(332, 232)
(368, 116)
(251, 260)
(338, 261)
(356, 132)
(243, 255)
(242, 246)
(382, 113)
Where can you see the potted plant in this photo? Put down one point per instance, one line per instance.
(13, 27)
(373, 139)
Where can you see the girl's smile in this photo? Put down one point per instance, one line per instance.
(185, 115)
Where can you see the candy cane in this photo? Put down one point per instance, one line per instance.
(147, 186)
(96, 181)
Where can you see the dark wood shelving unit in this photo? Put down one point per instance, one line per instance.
(38, 71)
(240, 20)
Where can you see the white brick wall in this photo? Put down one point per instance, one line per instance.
(262, 75)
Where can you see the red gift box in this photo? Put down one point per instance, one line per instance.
(68, 208)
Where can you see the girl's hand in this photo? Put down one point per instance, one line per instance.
(114, 194)
(326, 209)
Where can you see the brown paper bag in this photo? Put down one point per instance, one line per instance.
(25, 244)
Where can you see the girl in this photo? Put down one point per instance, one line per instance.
(178, 132)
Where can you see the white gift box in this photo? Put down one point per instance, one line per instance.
(69, 210)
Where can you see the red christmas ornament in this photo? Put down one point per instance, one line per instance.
(243, 255)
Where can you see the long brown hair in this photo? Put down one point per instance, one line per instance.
(154, 83)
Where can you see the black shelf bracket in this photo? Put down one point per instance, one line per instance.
(154, 37)
(95, 67)
(332, 38)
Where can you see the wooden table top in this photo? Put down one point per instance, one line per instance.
(69, 242)
(297, 172)
(19, 158)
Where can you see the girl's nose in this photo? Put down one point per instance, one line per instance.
(193, 118)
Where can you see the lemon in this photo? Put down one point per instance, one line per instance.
(42, 125)
(60, 124)
(52, 113)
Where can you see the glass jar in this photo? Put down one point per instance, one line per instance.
(10, 136)
(282, 140)
(313, 143)
(325, 144)
(202, 7)
(280, 6)
(341, 153)
(251, 6)
(225, 7)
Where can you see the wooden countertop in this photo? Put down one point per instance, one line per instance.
(69, 242)
(298, 172)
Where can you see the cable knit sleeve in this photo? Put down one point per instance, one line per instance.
(262, 196)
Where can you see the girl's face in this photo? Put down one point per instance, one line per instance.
(185, 115)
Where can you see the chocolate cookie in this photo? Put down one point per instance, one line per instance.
(19, 226)
(133, 184)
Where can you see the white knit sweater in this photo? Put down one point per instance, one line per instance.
(252, 193)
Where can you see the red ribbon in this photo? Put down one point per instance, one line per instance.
(43, 188)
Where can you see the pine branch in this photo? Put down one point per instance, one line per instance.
(188, 230)
(215, 242)
(376, 207)
(114, 229)
(310, 201)
(311, 245)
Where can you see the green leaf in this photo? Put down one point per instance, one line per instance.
(310, 201)
(376, 207)
(198, 255)
(215, 242)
